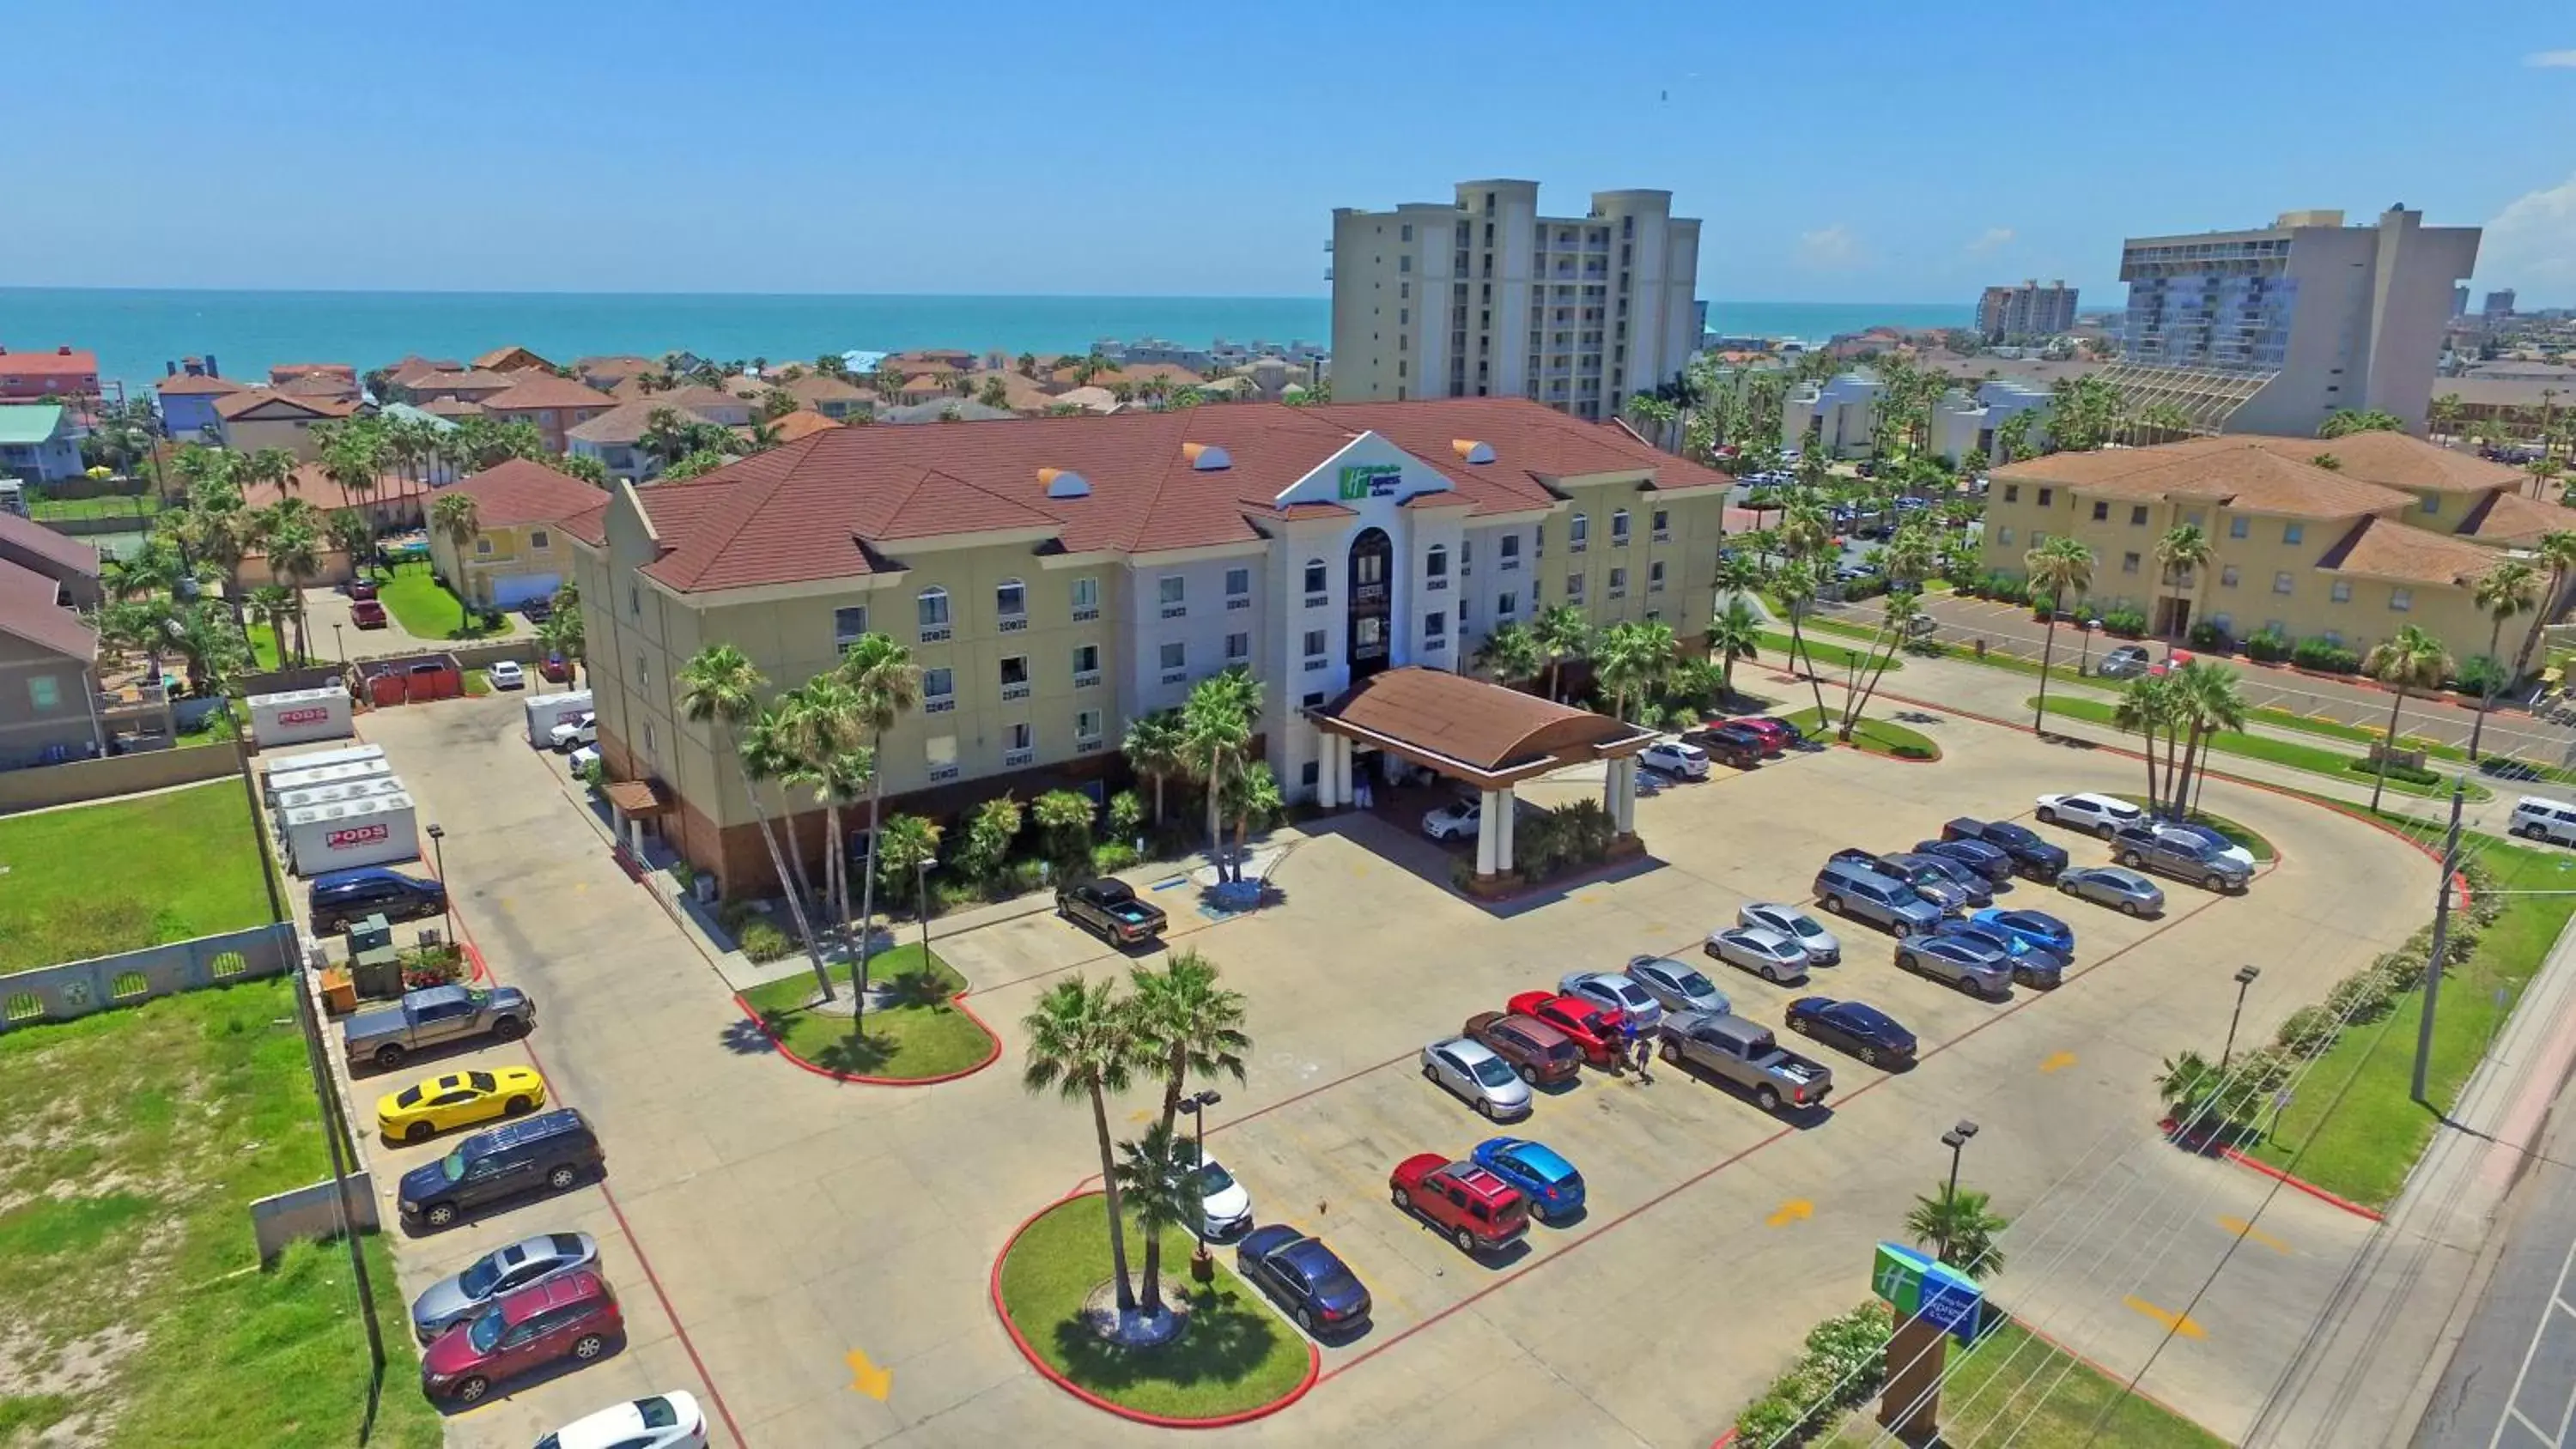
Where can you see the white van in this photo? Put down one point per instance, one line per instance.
(2537, 819)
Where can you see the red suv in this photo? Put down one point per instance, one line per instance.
(571, 1317)
(1776, 735)
(1477, 1210)
(1601, 1031)
(367, 614)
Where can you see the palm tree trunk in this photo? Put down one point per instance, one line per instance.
(2047, 650)
(868, 887)
(836, 885)
(2387, 747)
(1158, 799)
(2190, 766)
(2495, 635)
(1883, 662)
(2548, 610)
(1109, 1191)
(1798, 645)
(1216, 829)
(795, 902)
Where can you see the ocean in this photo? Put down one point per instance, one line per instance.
(136, 332)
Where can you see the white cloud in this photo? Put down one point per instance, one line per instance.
(2531, 244)
(1992, 240)
(2552, 59)
(1831, 249)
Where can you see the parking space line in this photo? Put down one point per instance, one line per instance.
(2056, 1062)
(2529, 1352)
(2243, 1229)
(2181, 1323)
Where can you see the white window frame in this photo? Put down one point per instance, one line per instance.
(1001, 599)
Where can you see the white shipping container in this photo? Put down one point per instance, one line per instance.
(279, 785)
(284, 768)
(294, 800)
(545, 711)
(350, 833)
(299, 715)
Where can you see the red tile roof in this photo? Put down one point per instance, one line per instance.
(235, 404)
(2250, 474)
(590, 525)
(2383, 548)
(2507, 517)
(538, 390)
(626, 422)
(470, 383)
(801, 424)
(520, 491)
(49, 362)
(190, 384)
(34, 538)
(30, 608)
(800, 511)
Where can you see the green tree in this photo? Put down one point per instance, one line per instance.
(1896, 619)
(2207, 700)
(1082, 1044)
(885, 685)
(721, 688)
(1218, 721)
(1186, 1024)
(1511, 654)
(2057, 568)
(1064, 826)
(1632, 660)
(994, 393)
(1126, 815)
(1252, 801)
(2506, 591)
(1153, 748)
(2147, 707)
(906, 846)
(829, 735)
(2557, 551)
(295, 556)
(2444, 418)
(1961, 1227)
(1158, 1181)
(2344, 421)
(1734, 633)
(1797, 583)
(990, 831)
(456, 517)
(2183, 549)
(1563, 633)
(2409, 659)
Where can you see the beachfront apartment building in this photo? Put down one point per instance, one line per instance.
(39, 443)
(58, 373)
(1839, 416)
(1058, 578)
(2273, 329)
(2029, 310)
(2398, 532)
(1484, 297)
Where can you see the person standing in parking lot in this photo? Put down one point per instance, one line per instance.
(1645, 1046)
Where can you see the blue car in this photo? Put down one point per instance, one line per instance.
(2039, 928)
(2031, 965)
(1304, 1277)
(1553, 1187)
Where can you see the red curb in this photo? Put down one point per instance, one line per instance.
(1723, 1440)
(958, 1001)
(1314, 1356)
(2171, 1129)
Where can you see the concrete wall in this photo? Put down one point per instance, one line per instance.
(43, 785)
(78, 988)
(307, 1212)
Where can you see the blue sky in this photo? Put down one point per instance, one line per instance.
(1868, 152)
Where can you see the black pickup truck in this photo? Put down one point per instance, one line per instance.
(1109, 909)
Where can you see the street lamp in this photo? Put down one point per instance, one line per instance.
(340, 644)
(2244, 978)
(446, 892)
(1202, 1268)
(2086, 627)
(1956, 1139)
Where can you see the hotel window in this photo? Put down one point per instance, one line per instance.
(2012, 493)
(2128, 563)
(1655, 577)
(1238, 647)
(1086, 598)
(2047, 496)
(1315, 576)
(1172, 590)
(2003, 536)
(941, 753)
(1238, 583)
(1019, 738)
(934, 608)
(1086, 724)
(482, 546)
(2227, 576)
(1663, 525)
(2401, 599)
(938, 683)
(1176, 655)
(1011, 599)
(2239, 527)
(1086, 660)
(1578, 533)
(2281, 582)
(1316, 648)
(2341, 591)
(1511, 550)
(1435, 564)
(1619, 583)
(2293, 532)
(847, 625)
(2137, 515)
(539, 540)
(1574, 587)
(2432, 503)
(1507, 606)
(1015, 671)
(2101, 513)
(1619, 528)
(1435, 625)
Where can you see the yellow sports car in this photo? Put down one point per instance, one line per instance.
(459, 1099)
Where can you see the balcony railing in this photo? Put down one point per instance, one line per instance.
(1176, 676)
(939, 704)
(1086, 679)
(1085, 616)
(1434, 586)
(940, 773)
(1087, 747)
(1013, 623)
(1239, 601)
(1015, 691)
(1176, 611)
(1017, 759)
(1317, 601)
(934, 633)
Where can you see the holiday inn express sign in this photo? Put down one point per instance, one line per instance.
(1370, 480)
(1916, 1286)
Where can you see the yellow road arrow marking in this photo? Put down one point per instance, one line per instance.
(2056, 1062)
(2178, 1322)
(2244, 1229)
(866, 1378)
(1794, 1210)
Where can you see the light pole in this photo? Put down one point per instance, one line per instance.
(1956, 1139)
(446, 892)
(920, 899)
(2244, 978)
(1202, 1269)
(2086, 627)
(340, 645)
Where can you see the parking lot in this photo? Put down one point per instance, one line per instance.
(790, 1222)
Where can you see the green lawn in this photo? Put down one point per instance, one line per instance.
(1827, 655)
(139, 1138)
(263, 644)
(125, 874)
(2367, 734)
(50, 510)
(2041, 1399)
(2364, 1147)
(2311, 758)
(928, 1037)
(2255, 845)
(1237, 1353)
(2061, 670)
(426, 608)
(215, 728)
(1872, 736)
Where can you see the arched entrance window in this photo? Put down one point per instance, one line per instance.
(1372, 599)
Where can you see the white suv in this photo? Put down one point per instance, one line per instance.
(2535, 818)
(1674, 758)
(2100, 814)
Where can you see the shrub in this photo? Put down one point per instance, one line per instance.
(2480, 673)
(762, 941)
(1126, 814)
(1112, 856)
(2006, 588)
(2361, 997)
(2308, 1029)
(2325, 657)
(2396, 771)
(1023, 875)
(1864, 588)
(1844, 1364)
(2124, 623)
(2208, 638)
(2267, 646)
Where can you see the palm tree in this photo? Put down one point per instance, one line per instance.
(1734, 633)
(1218, 721)
(1252, 800)
(2147, 707)
(456, 517)
(2409, 659)
(1960, 1224)
(1797, 584)
(1158, 1179)
(2557, 551)
(824, 734)
(1633, 659)
(1082, 1043)
(352, 535)
(2207, 701)
(1510, 654)
(1562, 633)
(2183, 549)
(273, 602)
(1901, 609)
(2510, 588)
(1911, 556)
(2056, 568)
(905, 846)
(1153, 749)
(563, 633)
(1187, 1023)
(887, 686)
(295, 555)
(719, 686)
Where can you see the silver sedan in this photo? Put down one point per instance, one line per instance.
(2116, 886)
(1677, 985)
(1481, 1079)
(1766, 953)
(1616, 992)
(1823, 948)
(453, 1299)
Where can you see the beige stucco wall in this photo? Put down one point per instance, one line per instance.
(515, 550)
(251, 435)
(1689, 554)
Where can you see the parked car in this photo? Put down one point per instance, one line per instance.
(664, 1421)
(1225, 1204)
(2032, 854)
(581, 760)
(1552, 1187)
(1732, 735)
(338, 897)
(1472, 1207)
(1777, 734)
(2110, 885)
(434, 1016)
(537, 611)
(1855, 1027)
(368, 614)
(1476, 1076)
(1743, 1053)
(581, 729)
(2217, 843)
(1454, 821)
(1734, 750)
(1109, 909)
(1970, 885)
(2031, 965)
(1932, 884)
(2039, 928)
(2185, 857)
(2125, 661)
(572, 1317)
(459, 1099)
(1596, 1031)
(553, 1150)
(1766, 953)
(1864, 893)
(1303, 1276)
(1968, 965)
(362, 589)
(1610, 989)
(1677, 759)
(1823, 948)
(1992, 862)
(1676, 985)
(505, 674)
(2537, 817)
(2085, 810)
(524, 1264)
(1538, 1053)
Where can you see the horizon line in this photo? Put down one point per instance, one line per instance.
(20, 287)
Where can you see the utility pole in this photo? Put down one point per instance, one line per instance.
(2441, 938)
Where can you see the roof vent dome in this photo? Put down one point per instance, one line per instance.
(1471, 450)
(1064, 483)
(1207, 457)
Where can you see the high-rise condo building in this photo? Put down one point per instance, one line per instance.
(1484, 297)
(2460, 300)
(2498, 304)
(2029, 310)
(2272, 330)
